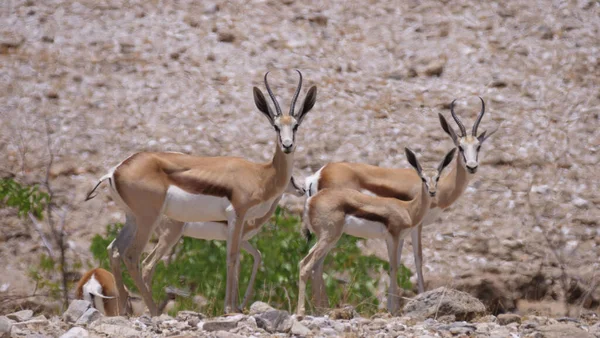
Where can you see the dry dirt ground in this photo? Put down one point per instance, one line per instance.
(111, 78)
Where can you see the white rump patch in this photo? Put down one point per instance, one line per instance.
(92, 287)
(183, 206)
(311, 183)
(360, 227)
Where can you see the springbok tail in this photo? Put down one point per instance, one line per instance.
(97, 294)
(91, 194)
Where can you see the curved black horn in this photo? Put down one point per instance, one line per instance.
(479, 117)
(296, 94)
(277, 108)
(460, 125)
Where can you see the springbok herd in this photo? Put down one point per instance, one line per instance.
(230, 198)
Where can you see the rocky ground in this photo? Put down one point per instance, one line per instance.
(104, 79)
(437, 313)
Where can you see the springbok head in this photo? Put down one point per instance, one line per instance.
(285, 125)
(468, 145)
(430, 177)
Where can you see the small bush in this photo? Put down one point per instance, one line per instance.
(200, 267)
(24, 198)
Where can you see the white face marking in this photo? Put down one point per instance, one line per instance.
(93, 287)
(430, 178)
(311, 183)
(469, 148)
(183, 206)
(359, 227)
(286, 127)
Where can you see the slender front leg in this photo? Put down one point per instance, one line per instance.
(418, 253)
(393, 302)
(257, 261)
(235, 224)
(320, 298)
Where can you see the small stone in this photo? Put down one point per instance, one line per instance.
(52, 95)
(299, 329)
(20, 316)
(192, 318)
(116, 330)
(223, 323)
(88, 317)
(5, 326)
(563, 330)
(435, 68)
(226, 37)
(225, 334)
(320, 20)
(76, 332)
(260, 307)
(507, 318)
(347, 313)
(443, 301)
(411, 72)
(274, 321)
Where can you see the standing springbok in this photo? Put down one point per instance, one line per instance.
(404, 184)
(98, 287)
(171, 232)
(332, 212)
(188, 188)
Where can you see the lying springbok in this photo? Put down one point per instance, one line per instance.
(333, 212)
(188, 188)
(404, 184)
(171, 233)
(98, 287)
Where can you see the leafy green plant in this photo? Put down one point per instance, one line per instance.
(199, 267)
(26, 199)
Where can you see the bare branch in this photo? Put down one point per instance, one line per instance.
(39, 229)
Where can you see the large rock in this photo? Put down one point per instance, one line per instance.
(443, 301)
(76, 332)
(274, 321)
(223, 323)
(298, 329)
(5, 326)
(260, 307)
(76, 309)
(89, 316)
(21, 316)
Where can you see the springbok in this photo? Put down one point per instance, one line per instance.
(171, 232)
(404, 184)
(98, 287)
(333, 212)
(187, 188)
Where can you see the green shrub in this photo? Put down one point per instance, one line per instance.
(25, 199)
(200, 267)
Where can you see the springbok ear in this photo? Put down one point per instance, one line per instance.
(308, 104)
(446, 161)
(261, 104)
(482, 137)
(448, 129)
(412, 159)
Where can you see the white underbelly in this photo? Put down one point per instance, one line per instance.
(259, 210)
(359, 227)
(206, 230)
(432, 216)
(183, 206)
(212, 231)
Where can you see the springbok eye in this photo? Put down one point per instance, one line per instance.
(461, 148)
(295, 127)
(276, 128)
(478, 147)
(423, 179)
(437, 178)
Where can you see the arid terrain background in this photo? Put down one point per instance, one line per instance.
(110, 78)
